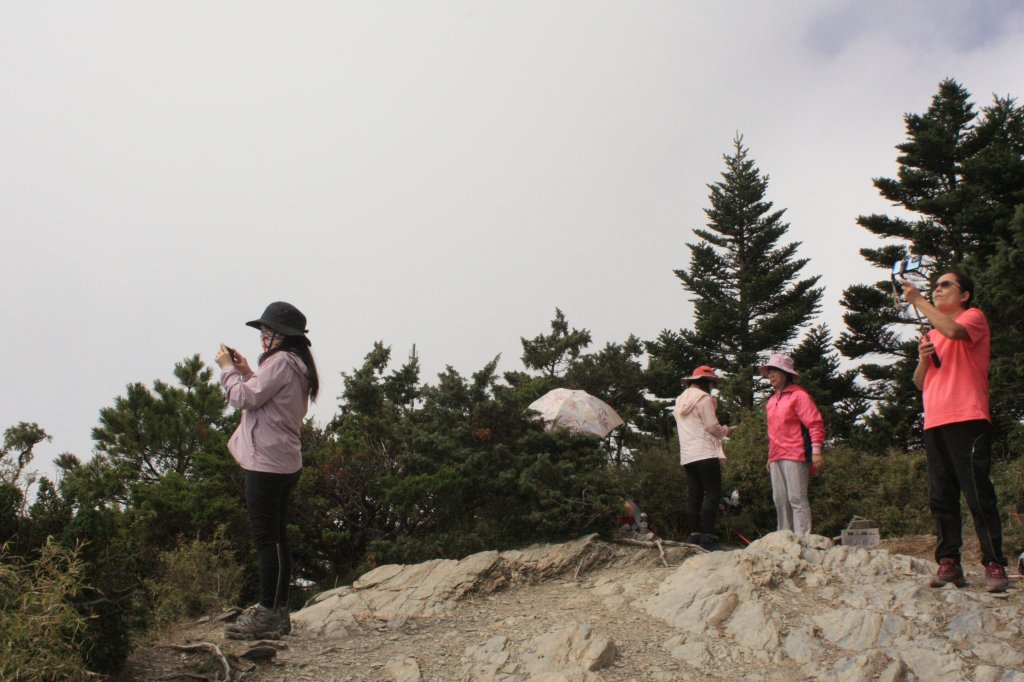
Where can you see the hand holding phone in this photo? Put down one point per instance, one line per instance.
(225, 357)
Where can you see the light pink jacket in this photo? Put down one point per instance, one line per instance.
(273, 401)
(794, 424)
(700, 434)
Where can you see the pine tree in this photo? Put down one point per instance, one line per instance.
(961, 178)
(747, 294)
(554, 353)
(1001, 293)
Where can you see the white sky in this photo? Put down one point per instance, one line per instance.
(437, 173)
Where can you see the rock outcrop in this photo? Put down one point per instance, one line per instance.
(799, 604)
(786, 607)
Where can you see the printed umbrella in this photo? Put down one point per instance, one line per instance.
(577, 411)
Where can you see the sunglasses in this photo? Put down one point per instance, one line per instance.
(946, 283)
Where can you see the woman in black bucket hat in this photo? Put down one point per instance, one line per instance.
(266, 444)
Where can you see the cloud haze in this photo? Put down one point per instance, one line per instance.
(437, 173)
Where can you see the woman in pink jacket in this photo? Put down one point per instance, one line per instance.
(266, 445)
(796, 433)
(701, 453)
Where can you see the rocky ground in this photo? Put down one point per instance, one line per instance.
(784, 608)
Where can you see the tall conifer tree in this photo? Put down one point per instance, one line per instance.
(748, 297)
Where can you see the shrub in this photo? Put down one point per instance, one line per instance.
(890, 489)
(40, 625)
(1008, 477)
(655, 480)
(195, 578)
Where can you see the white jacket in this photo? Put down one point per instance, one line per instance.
(700, 434)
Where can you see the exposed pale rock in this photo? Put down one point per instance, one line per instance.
(488, 660)
(972, 623)
(576, 646)
(752, 626)
(787, 607)
(932, 663)
(897, 671)
(856, 668)
(857, 630)
(393, 592)
(554, 677)
(797, 598)
(801, 645)
(987, 673)
(998, 653)
(402, 669)
(691, 650)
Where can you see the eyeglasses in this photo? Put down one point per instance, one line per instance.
(946, 283)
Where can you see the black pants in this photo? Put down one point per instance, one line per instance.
(703, 493)
(266, 499)
(959, 461)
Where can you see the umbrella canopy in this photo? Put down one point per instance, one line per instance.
(577, 411)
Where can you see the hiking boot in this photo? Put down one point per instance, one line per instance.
(285, 620)
(995, 577)
(949, 572)
(263, 623)
(710, 542)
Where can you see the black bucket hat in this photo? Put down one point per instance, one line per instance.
(283, 318)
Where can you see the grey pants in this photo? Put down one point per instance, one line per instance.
(789, 490)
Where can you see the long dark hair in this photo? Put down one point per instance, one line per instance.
(299, 345)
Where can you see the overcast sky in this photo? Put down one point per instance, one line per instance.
(434, 173)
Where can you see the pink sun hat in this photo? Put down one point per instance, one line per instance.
(779, 361)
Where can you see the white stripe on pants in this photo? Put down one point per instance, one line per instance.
(789, 490)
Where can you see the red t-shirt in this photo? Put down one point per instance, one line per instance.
(958, 391)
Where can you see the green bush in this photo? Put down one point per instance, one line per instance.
(655, 480)
(40, 625)
(889, 489)
(195, 578)
(106, 640)
(1008, 477)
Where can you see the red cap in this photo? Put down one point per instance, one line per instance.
(703, 372)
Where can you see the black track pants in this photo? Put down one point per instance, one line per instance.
(959, 461)
(266, 499)
(703, 493)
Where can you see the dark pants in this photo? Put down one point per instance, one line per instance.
(959, 461)
(266, 499)
(703, 494)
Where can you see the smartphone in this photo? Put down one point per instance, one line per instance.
(231, 352)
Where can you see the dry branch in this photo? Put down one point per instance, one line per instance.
(210, 647)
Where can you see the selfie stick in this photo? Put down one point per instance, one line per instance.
(904, 268)
(935, 356)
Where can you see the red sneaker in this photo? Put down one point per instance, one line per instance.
(995, 577)
(949, 572)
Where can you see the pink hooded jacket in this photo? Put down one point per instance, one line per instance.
(700, 434)
(791, 411)
(274, 401)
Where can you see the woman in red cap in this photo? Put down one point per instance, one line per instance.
(796, 433)
(266, 445)
(701, 453)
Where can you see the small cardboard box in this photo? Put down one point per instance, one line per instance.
(860, 537)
